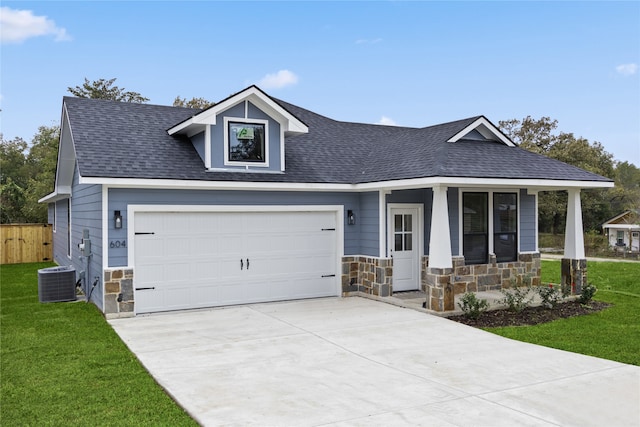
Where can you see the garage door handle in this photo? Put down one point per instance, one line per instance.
(247, 263)
(145, 289)
(328, 275)
(241, 264)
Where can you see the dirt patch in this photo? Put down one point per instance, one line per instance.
(531, 315)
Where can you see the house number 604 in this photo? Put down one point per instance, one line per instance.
(118, 244)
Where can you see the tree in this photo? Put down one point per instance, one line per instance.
(192, 103)
(539, 137)
(13, 179)
(626, 194)
(27, 175)
(530, 134)
(104, 89)
(42, 162)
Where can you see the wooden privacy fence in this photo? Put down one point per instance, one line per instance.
(26, 243)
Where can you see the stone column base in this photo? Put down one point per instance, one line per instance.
(118, 292)
(574, 274)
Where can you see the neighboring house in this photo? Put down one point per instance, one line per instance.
(623, 231)
(255, 199)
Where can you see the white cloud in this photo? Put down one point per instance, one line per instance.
(368, 41)
(384, 120)
(18, 25)
(278, 80)
(627, 69)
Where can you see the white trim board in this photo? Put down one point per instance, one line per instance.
(477, 183)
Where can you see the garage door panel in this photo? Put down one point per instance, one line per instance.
(199, 259)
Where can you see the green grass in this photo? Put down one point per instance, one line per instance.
(613, 333)
(62, 364)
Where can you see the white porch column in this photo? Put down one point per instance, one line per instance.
(573, 237)
(439, 238)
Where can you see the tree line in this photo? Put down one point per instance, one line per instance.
(27, 171)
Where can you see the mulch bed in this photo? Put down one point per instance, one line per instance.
(531, 315)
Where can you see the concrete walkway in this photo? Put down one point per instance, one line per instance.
(358, 362)
(595, 259)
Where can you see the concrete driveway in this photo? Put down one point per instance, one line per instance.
(354, 361)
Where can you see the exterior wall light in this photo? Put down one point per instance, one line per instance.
(351, 217)
(117, 220)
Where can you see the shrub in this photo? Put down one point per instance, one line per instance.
(517, 298)
(587, 293)
(550, 296)
(472, 306)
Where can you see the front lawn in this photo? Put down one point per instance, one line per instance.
(613, 333)
(62, 364)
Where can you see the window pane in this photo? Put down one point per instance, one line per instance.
(475, 212)
(246, 142)
(475, 227)
(408, 223)
(504, 246)
(408, 244)
(475, 249)
(398, 242)
(397, 223)
(505, 212)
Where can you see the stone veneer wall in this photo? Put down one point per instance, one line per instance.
(367, 274)
(118, 292)
(442, 285)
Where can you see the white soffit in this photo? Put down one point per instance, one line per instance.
(486, 129)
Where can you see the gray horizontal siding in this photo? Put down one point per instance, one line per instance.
(60, 233)
(86, 213)
(528, 220)
(119, 199)
(367, 221)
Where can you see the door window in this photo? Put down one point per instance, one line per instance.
(403, 232)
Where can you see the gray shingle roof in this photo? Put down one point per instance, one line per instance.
(129, 140)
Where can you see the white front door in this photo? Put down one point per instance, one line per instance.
(404, 247)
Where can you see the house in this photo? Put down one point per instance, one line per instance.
(255, 199)
(623, 231)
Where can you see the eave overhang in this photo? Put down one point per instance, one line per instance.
(532, 184)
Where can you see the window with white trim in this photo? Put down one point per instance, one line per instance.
(479, 222)
(246, 142)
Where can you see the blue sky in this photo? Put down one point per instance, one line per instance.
(405, 63)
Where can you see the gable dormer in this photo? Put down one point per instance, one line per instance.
(482, 129)
(244, 132)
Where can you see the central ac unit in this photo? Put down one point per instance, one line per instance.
(57, 284)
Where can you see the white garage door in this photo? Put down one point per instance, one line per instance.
(205, 259)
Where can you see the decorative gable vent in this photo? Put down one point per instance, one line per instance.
(482, 129)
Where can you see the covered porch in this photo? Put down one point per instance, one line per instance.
(467, 238)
